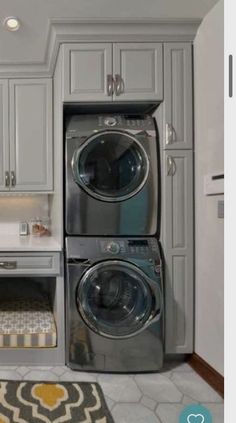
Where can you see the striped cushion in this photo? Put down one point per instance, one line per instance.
(27, 323)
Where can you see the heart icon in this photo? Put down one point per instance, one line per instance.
(195, 418)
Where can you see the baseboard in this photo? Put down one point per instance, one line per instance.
(210, 375)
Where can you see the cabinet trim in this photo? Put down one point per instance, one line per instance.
(68, 30)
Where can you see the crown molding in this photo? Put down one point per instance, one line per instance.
(71, 30)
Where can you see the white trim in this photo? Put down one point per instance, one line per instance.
(71, 30)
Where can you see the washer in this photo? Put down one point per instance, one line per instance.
(111, 175)
(114, 313)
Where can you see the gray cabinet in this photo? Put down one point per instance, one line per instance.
(4, 145)
(178, 106)
(26, 150)
(87, 72)
(137, 70)
(31, 134)
(177, 241)
(107, 72)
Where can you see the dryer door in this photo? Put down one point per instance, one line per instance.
(111, 166)
(115, 299)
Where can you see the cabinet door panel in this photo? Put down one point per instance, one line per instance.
(178, 96)
(177, 240)
(86, 67)
(4, 142)
(31, 134)
(140, 67)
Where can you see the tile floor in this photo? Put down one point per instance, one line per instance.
(142, 398)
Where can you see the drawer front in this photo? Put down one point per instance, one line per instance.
(25, 263)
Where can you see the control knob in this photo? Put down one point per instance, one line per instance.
(113, 247)
(110, 121)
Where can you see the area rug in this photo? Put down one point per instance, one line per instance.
(48, 402)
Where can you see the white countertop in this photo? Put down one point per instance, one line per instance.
(12, 243)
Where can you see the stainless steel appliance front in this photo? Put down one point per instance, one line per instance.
(114, 309)
(111, 175)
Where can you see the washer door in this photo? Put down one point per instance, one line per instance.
(115, 300)
(111, 166)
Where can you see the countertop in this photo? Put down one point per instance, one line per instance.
(12, 243)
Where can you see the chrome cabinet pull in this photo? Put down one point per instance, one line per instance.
(171, 166)
(13, 179)
(8, 265)
(7, 179)
(170, 134)
(119, 85)
(110, 85)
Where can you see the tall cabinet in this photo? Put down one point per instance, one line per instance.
(177, 189)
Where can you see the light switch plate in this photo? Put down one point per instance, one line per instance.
(23, 228)
(221, 209)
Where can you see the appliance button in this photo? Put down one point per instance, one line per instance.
(113, 247)
(110, 121)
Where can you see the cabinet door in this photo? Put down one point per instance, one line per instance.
(137, 70)
(177, 241)
(31, 134)
(4, 141)
(87, 72)
(178, 107)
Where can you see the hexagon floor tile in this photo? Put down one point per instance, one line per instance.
(191, 384)
(133, 413)
(120, 388)
(158, 387)
(141, 398)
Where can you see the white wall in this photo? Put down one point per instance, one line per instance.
(209, 157)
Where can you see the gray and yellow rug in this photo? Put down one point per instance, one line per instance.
(48, 402)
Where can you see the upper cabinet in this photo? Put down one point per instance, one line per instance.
(26, 164)
(178, 107)
(87, 72)
(108, 72)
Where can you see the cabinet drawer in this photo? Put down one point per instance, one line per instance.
(25, 264)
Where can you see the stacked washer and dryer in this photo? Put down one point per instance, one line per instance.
(114, 312)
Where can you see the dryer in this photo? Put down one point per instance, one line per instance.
(114, 313)
(111, 175)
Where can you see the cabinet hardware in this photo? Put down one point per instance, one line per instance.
(8, 265)
(171, 166)
(13, 179)
(7, 179)
(230, 75)
(110, 85)
(170, 134)
(118, 85)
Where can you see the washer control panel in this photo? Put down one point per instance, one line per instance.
(132, 247)
(126, 121)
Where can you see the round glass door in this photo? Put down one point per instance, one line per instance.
(111, 166)
(114, 299)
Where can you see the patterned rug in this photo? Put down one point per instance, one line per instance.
(62, 402)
